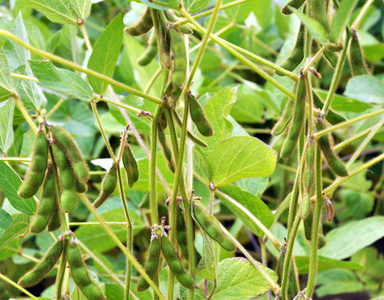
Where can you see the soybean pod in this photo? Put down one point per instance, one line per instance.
(298, 121)
(142, 26)
(332, 117)
(46, 264)
(150, 52)
(163, 39)
(36, 171)
(166, 150)
(356, 57)
(305, 206)
(130, 165)
(174, 264)
(80, 273)
(152, 266)
(55, 219)
(325, 143)
(309, 170)
(198, 116)
(72, 151)
(293, 3)
(284, 119)
(172, 18)
(209, 226)
(46, 204)
(108, 185)
(180, 58)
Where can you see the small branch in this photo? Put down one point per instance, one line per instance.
(6, 279)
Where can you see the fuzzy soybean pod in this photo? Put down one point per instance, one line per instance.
(130, 165)
(332, 117)
(152, 266)
(180, 57)
(81, 187)
(305, 206)
(211, 228)
(309, 171)
(36, 171)
(174, 263)
(76, 159)
(46, 204)
(150, 52)
(68, 181)
(181, 234)
(108, 185)
(294, 3)
(198, 116)
(166, 150)
(55, 219)
(325, 143)
(296, 55)
(172, 18)
(142, 26)
(44, 266)
(284, 119)
(80, 273)
(164, 40)
(356, 58)
(298, 121)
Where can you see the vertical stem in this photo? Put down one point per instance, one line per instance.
(24, 112)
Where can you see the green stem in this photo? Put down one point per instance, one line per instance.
(86, 37)
(96, 223)
(122, 105)
(363, 11)
(61, 272)
(23, 111)
(313, 60)
(55, 108)
(152, 81)
(14, 75)
(16, 159)
(117, 241)
(354, 138)
(79, 68)
(6, 279)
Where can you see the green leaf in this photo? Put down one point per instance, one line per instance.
(10, 248)
(82, 8)
(167, 4)
(57, 11)
(61, 80)
(217, 110)
(105, 53)
(5, 221)
(346, 240)
(248, 108)
(366, 88)
(10, 183)
(325, 263)
(253, 185)
(239, 279)
(19, 226)
(314, 27)
(6, 129)
(252, 203)
(341, 18)
(337, 281)
(240, 157)
(193, 6)
(5, 78)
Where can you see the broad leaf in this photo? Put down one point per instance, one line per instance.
(82, 8)
(10, 183)
(337, 281)
(346, 240)
(19, 226)
(5, 78)
(5, 221)
(61, 80)
(325, 263)
(10, 248)
(366, 88)
(240, 157)
(57, 11)
(314, 27)
(239, 279)
(341, 18)
(193, 6)
(105, 53)
(167, 4)
(6, 129)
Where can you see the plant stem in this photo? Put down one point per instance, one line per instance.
(55, 108)
(20, 106)
(313, 60)
(15, 159)
(152, 81)
(354, 138)
(14, 75)
(6, 279)
(79, 68)
(96, 223)
(122, 105)
(86, 37)
(360, 16)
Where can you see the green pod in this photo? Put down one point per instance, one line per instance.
(44, 266)
(325, 143)
(46, 204)
(356, 57)
(331, 57)
(284, 119)
(36, 171)
(296, 55)
(211, 228)
(198, 116)
(142, 26)
(152, 266)
(173, 92)
(164, 40)
(319, 14)
(68, 181)
(81, 187)
(305, 206)
(55, 219)
(180, 58)
(332, 117)
(310, 165)
(321, 241)
(80, 273)
(130, 165)
(298, 121)
(172, 18)
(150, 52)
(166, 150)
(294, 3)
(108, 185)
(174, 264)
(308, 223)
(76, 159)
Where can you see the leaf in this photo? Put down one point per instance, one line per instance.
(82, 8)
(325, 263)
(252, 203)
(10, 183)
(5, 78)
(105, 53)
(239, 279)
(254, 185)
(57, 11)
(248, 108)
(217, 110)
(19, 225)
(314, 27)
(6, 129)
(346, 240)
(10, 248)
(5, 221)
(193, 6)
(366, 88)
(341, 18)
(167, 4)
(61, 80)
(240, 157)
